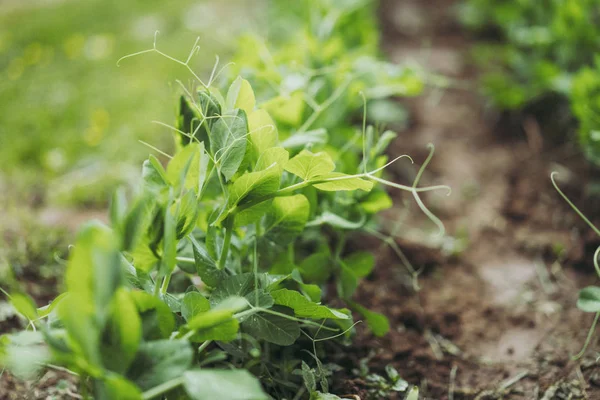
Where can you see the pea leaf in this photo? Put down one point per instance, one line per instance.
(116, 387)
(228, 142)
(286, 218)
(24, 305)
(193, 303)
(209, 384)
(263, 133)
(24, 354)
(187, 169)
(316, 267)
(274, 155)
(361, 263)
(377, 322)
(254, 185)
(122, 333)
(157, 318)
(205, 265)
(154, 175)
(159, 361)
(338, 181)
(303, 307)
(240, 95)
(136, 222)
(235, 285)
(272, 328)
(308, 165)
(169, 255)
(589, 299)
(287, 109)
(376, 201)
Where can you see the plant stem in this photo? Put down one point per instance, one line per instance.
(228, 233)
(165, 284)
(204, 346)
(162, 388)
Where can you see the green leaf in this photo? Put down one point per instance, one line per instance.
(193, 303)
(122, 334)
(275, 155)
(185, 210)
(308, 165)
(348, 281)
(413, 394)
(263, 132)
(303, 307)
(187, 169)
(253, 186)
(286, 218)
(316, 267)
(228, 142)
(169, 255)
(376, 201)
(361, 263)
(287, 109)
(338, 181)
(206, 267)
(154, 175)
(159, 361)
(240, 95)
(308, 376)
(157, 319)
(24, 305)
(232, 286)
(94, 267)
(260, 298)
(209, 384)
(589, 299)
(377, 322)
(209, 319)
(115, 387)
(79, 318)
(136, 222)
(272, 328)
(304, 139)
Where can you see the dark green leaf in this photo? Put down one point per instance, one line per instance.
(303, 307)
(159, 361)
(272, 328)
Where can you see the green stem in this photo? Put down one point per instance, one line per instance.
(165, 284)
(228, 225)
(162, 388)
(204, 346)
(588, 338)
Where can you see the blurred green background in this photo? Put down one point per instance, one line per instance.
(70, 117)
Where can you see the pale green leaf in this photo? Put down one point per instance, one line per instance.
(336, 181)
(303, 307)
(240, 95)
(207, 384)
(308, 165)
(589, 299)
(286, 218)
(263, 132)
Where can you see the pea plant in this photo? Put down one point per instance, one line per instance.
(210, 281)
(589, 297)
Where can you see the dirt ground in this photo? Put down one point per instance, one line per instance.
(495, 316)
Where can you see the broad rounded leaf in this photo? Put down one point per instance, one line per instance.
(210, 384)
(589, 299)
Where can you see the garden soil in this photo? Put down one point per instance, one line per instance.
(492, 314)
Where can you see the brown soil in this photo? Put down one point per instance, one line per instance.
(495, 316)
